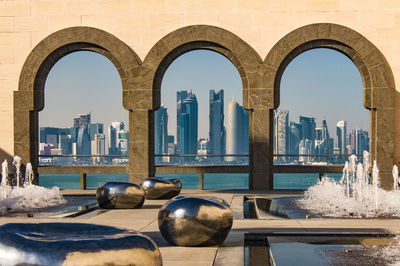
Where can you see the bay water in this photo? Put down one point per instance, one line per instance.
(189, 181)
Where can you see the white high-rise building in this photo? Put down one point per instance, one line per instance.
(98, 146)
(341, 136)
(113, 137)
(236, 130)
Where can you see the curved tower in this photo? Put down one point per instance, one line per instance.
(234, 130)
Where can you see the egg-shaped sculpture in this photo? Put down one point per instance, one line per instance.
(194, 221)
(75, 244)
(120, 195)
(157, 188)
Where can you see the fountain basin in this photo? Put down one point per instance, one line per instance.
(284, 207)
(322, 248)
(75, 244)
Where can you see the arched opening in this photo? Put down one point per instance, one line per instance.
(321, 113)
(203, 117)
(29, 98)
(202, 37)
(83, 121)
(378, 81)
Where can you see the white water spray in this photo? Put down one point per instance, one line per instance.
(17, 164)
(27, 197)
(28, 175)
(356, 195)
(4, 177)
(395, 173)
(375, 184)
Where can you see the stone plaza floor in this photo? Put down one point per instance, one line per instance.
(232, 252)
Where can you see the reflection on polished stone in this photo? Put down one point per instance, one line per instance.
(157, 188)
(193, 221)
(75, 244)
(120, 195)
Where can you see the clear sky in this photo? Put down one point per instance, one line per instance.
(324, 83)
(318, 83)
(80, 83)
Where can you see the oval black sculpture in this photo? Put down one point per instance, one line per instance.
(75, 244)
(193, 221)
(120, 195)
(157, 188)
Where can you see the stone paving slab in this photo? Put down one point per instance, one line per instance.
(232, 251)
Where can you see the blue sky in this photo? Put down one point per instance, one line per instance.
(318, 83)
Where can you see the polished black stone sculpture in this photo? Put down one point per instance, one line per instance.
(157, 188)
(75, 244)
(193, 221)
(120, 195)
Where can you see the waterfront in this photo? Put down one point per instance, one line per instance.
(189, 181)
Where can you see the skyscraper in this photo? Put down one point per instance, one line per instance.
(80, 135)
(236, 130)
(65, 141)
(48, 136)
(294, 137)
(281, 145)
(83, 145)
(325, 145)
(308, 128)
(161, 131)
(359, 141)
(82, 120)
(180, 109)
(217, 129)
(187, 123)
(94, 129)
(113, 139)
(341, 136)
(99, 146)
(123, 142)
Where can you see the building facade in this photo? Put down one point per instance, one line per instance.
(161, 131)
(216, 119)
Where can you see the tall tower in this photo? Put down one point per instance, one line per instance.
(180, 109)
(294, 137)
(282, 132)
(308, 128)
(234, 132)
(192, 110)
(341, 135)
(83, 145)
(98, 146)
(113, 139)
(161, 131)
(123, 142)
(237, 136)
(187, 123)
(217, 129)
(80, 134)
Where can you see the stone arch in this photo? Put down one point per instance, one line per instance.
(377, 77)
(29, 99)
(186, 39)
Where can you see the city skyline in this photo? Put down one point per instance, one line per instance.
(75, 73)
(84, 138)
(306, 137)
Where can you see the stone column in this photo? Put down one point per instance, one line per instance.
(383, 147)
(261, 149)
(26, 131)
(141, 145)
